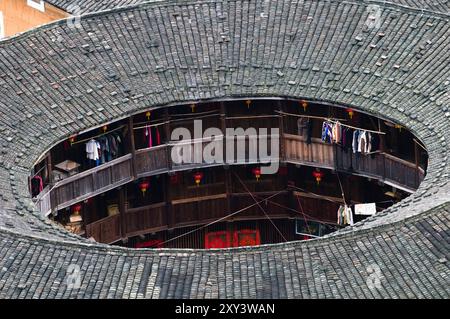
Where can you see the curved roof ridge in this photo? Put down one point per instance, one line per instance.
(398, 72)
(87, 6)
(149, 3)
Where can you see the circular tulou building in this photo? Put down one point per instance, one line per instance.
(224, 149)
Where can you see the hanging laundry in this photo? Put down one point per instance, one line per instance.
(364, 142)
(336, 133)
(355, 141)
(327, 132)
(37, 186)
(92, 148)
(158, 137)
(148, 136)
(375, 142)
(93, 151)
(349, 215)
(345, 215)
(347, 138)
(112, 143)
(118, 150)
(105, 155)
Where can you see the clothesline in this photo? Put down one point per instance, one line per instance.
(99, 135)
(335, 201)
(308, 116)
(214, 112)
(193, 118)
(356, 128)
(152, 125)
(333, 120)
(220, 219)
(146, 122)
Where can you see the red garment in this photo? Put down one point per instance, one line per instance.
(158, 137)
(41, 184)
(148, 136)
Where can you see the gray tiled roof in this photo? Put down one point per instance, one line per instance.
(57, 80)
(86, 6)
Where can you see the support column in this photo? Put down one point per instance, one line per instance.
(167, 134)
(281, 130)
(49, 168)
(122, 210)
(227, 172)
(416, 160)
(169, 217)
(132, 146)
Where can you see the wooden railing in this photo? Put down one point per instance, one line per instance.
(157, 160)
(382, 166)
(91, 182)
(106, 230)
(186, 212)
(151, 161)
(139, 220)
(318, 154)
(43, 201)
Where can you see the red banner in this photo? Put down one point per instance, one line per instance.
(218, 239)
(246, 237)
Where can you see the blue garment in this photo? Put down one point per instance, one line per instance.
(355, 141)
(326, 132)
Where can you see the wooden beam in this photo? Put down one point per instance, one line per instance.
(169, 217)
(281, 131)
(49, 168)
(122, 211)
(132, 146)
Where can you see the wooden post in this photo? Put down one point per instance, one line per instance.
(49, 168)
(416, 160)
(169, 217)
(227, 174)
(122, 212)
(228, 188)
(167, 134)
(132, 146)
(281, 132)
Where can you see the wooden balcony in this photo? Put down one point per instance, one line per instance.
(156, 160)
(186, 212)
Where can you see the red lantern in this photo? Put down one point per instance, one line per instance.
(350, 112)
(72, 139)
(318, 175)
(143, 186)
(257, 172)
(304, 104)
(76, 209)
(198, 177)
